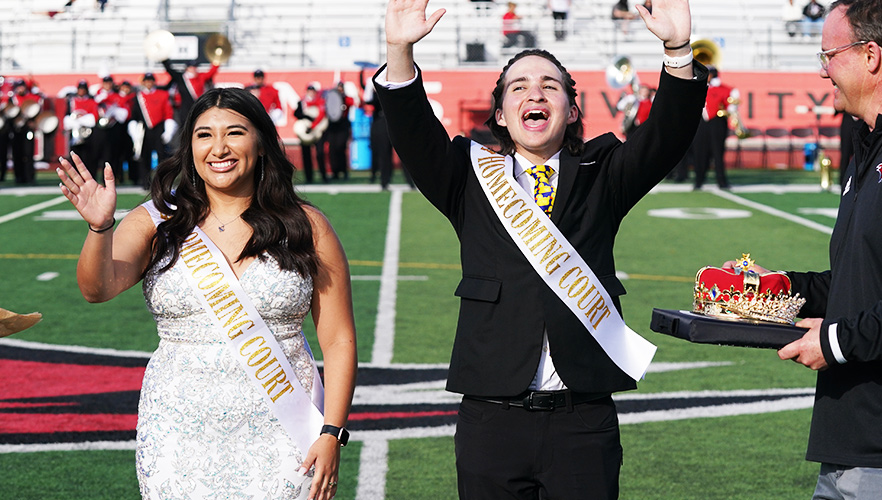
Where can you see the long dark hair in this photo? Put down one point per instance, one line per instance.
(573, 135)
(280, 225)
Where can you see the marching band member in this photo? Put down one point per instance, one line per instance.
(311, 124)
(80, 121)
(6, 126)
(109, 137)
(23, 131)
(268, 96)
(189, 84)
(153, 112)
(710, 142)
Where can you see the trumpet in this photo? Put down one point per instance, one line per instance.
(735, 122)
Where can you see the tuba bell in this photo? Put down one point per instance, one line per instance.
(621, 73)
(707, 52)
(218, 49)
(159, 45)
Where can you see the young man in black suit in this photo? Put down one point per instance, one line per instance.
(540, 345)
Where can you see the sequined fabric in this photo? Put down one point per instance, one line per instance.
(203, 431)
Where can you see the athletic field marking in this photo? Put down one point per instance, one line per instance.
(826, 212)
(773, 211)
(372, 469)
(699, 213)
(367, 277)
(384, 331)
(27, 344)
(47, 276)
(33, 208)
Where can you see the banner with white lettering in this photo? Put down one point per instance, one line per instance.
(558, 263)
(249, 338)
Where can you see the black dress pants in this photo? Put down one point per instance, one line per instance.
(710, 145)
(562, 454)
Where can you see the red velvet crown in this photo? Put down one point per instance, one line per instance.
(743, 294)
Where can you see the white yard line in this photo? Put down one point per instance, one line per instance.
(384, 331)
(773, 211)
(33, 208)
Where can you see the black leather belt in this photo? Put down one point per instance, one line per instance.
(543, 401)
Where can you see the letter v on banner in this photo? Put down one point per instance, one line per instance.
(251, 342)
(570, 278)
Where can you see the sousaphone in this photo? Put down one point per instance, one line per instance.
(218, 49)
(159, 45)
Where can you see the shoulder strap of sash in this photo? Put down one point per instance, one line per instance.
(249, 338)
(558, 263)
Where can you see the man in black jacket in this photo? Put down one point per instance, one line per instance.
(537, 418)
(844, 304)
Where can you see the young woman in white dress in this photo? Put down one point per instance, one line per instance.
(204, 430)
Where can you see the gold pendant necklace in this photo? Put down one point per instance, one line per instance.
(223, 224)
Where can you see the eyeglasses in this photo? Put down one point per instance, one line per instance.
(824, 56)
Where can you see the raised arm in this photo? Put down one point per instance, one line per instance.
(406, 24)
(671, 22)
(111, 261)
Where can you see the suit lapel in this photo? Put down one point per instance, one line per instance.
(569, 167)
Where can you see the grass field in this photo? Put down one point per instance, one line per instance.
(708, 422)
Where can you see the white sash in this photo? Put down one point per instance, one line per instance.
(558, 263)
(250, 340)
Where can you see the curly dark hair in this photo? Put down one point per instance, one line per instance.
(573, 136)
(280, 225)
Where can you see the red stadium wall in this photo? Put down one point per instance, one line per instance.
(461, 97)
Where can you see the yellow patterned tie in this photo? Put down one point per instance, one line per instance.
(543, 191)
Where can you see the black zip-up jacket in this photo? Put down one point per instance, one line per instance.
(847, 417)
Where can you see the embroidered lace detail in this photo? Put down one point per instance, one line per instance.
(203, 431)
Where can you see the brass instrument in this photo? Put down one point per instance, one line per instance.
(707, 52)
(30, 108)
(218, 49)
(824, 163)
(47, 122)
(735, 122)
(159, 45)
(620, 74)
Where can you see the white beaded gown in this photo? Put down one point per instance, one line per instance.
(203, 431)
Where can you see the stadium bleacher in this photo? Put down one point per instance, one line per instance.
(42, 36)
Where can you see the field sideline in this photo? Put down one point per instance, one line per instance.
(707, 422)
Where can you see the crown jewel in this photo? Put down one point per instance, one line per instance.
(740, 293)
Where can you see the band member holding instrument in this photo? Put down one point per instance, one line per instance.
(189, 84)
(540, 344)
(337, 104)
(310, 126)
(29, 105)
(80, 121)
(5, 125)
(710, 140)
(109, 136)
(152, 112)
(268, 96)
(126, 100)
(232, 261)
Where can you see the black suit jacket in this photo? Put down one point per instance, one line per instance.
(505, 306)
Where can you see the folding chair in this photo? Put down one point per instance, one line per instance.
(777, 139)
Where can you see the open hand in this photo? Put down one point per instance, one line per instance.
(670, 21)
(406, 21)
(95, 203)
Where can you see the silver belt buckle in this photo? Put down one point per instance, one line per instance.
(540, 401)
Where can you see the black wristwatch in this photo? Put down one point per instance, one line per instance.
(340, 433)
